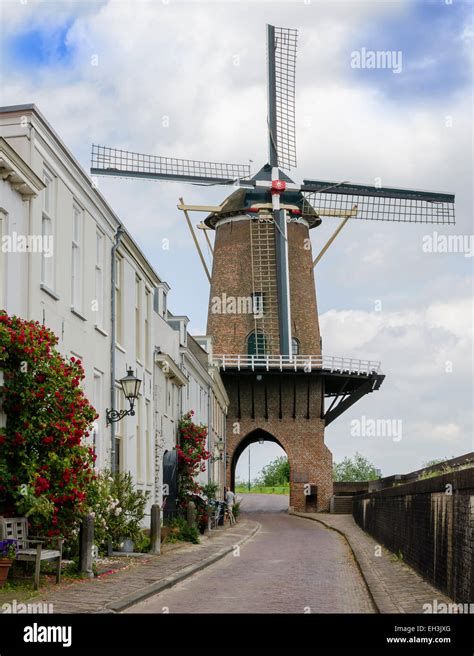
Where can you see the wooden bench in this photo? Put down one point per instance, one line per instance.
(31, 549)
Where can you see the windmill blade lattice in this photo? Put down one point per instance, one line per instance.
(281, 93)
(378, 203)
(112, 161)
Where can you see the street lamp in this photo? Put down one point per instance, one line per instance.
(220, 447)
(131, 390)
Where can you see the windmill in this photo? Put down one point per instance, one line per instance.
(261, 253)
(315, 199)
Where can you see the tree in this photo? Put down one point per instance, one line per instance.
(46, 469)
(356, 469)
(275, 473)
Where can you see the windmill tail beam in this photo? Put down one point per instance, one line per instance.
(195, 239)
(334, 235)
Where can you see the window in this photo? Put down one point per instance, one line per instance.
(47, 258)
(295, 346)
(99, 279)
(256, 343)
(3, 231)
(97, 403)
(164, 305)
(138, 318)
(139, 442)
(148, 444)
(76, 259)
(118, 299)
(147, 326)
(119, 454)
(257, 303)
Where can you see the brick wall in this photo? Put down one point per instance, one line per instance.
(431, 527)
(286, 409)
(232, 276)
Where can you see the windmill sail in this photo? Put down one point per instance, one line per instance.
(282, 44)
(378, 203)
(112, 161)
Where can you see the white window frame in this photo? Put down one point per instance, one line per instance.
(97, 392)
(99, 277)
(48, 278)
(76, 256)
(118, 298)
(139, 439)
(3, 259)
(138, 318)
(148, 444)
(147, 327)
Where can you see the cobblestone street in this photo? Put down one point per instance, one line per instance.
(289, 566)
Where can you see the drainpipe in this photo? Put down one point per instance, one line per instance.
(113, 443)
(210, 436)
(156, 470)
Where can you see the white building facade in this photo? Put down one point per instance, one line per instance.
(64, 279)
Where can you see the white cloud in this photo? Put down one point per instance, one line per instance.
(178, 60)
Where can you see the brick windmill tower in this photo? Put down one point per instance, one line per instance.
(262, 309)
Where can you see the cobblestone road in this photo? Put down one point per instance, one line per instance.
(291, 565)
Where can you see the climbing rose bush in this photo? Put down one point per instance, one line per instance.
(192, 455)
(46, 469)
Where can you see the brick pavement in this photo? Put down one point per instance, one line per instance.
(395, 587)
(93, 596)
(289, 566)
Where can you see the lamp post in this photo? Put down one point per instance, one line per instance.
(131, 389)
(249, 467)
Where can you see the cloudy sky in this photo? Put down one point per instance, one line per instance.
(187, 79)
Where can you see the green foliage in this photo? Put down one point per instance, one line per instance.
(180, 531)
(260, 489)
(118, 509)
(275, 473)
(46, 468)
(356, 469)
(236, 509)
(436, 461)
(192, 456)
(210, 491)
(143, 543)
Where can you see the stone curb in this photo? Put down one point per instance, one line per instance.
(168, 582)
(381, 601)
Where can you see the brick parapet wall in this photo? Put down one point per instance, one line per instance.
(431, 523)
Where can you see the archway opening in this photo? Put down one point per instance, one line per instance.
(259, 467)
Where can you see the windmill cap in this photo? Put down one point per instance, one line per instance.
(245, 201)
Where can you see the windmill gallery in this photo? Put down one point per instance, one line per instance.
(262, 254)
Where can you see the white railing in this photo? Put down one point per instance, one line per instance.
(297, 362)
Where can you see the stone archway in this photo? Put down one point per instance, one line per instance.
(251, 438)
(309, 458)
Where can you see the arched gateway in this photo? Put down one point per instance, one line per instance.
(309, 473)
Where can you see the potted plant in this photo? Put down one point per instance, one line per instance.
(8, 550)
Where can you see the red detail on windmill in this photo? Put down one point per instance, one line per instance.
(278, 186)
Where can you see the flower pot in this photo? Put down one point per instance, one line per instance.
(5, 564)
(127, 545)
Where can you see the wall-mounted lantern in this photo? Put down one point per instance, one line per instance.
(220, 447)
(131, 390)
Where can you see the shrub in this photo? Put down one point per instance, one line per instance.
(118, 509)
(181, 531)
(210, 491)
(192, 455)
(46, 469)
(236, 509)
